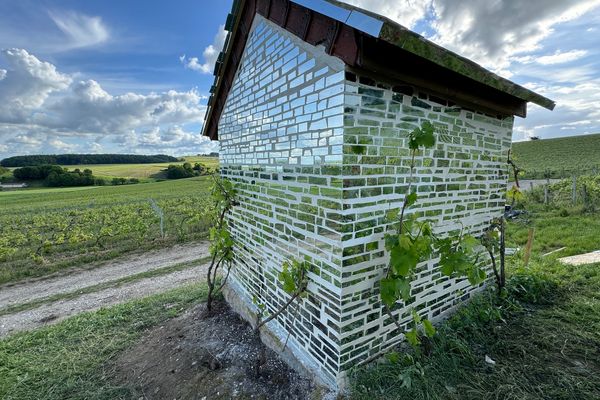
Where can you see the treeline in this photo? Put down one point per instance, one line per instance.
(186, 170)
(57, 176)
(77, 159)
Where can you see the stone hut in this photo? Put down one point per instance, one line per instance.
(312, 103)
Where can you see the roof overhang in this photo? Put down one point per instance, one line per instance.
(372, 45)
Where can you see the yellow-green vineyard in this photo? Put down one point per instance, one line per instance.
(42, 230)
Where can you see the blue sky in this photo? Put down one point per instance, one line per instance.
(133, 76)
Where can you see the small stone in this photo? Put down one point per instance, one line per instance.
(489, 361)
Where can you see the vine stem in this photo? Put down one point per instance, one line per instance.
(404, 204)
(280, 310)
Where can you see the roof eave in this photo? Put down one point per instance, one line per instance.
(418, 45)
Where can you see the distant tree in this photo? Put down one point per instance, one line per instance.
(534, 138)
(180, 171)
(36, 173)
(78, 159)
(200, 168)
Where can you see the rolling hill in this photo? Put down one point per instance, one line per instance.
(559, 158)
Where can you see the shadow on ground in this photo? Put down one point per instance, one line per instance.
(196, 357)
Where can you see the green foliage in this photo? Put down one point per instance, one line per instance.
(37, 172)
(514, 194)
(422, 137)
(223, 195)
(558, 158)
(542, 336)
(413, 242)
(186, 170)
(293, 276)
(51, 225)
(180, 171)
(77, 159)
(459, 257)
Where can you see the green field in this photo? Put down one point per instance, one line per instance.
(141, 171)
(144, 172)
(558, 158)
(44, 230)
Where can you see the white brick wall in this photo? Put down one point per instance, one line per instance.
(319, 155)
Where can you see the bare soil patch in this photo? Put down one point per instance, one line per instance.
(197, 357)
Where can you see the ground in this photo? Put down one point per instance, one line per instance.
(192, 357)
(38, 302)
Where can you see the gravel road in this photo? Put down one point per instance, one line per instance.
(52, 312)
(104, 272)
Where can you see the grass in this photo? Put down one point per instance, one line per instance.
(60, 198)
(577, 231)
(544, 338)
(560, 157)
(69, 360)
(141, 170)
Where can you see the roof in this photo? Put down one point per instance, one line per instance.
(369, 43)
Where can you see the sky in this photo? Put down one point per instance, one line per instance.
(105, 76)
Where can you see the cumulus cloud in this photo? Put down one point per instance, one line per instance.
(27, 84)
(80, 29)
(210, 54)
(490, 33)
(42, 109)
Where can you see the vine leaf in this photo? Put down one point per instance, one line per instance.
(412, 337)
(423, 136)
(411, 199)
(403, 260)
(388, 291)
(429, 328)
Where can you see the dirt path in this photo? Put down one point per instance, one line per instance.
(582, 259)
(104, 272)
(54, 311)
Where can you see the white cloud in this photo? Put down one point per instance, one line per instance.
(210, 54)
(561, 57)
(490, 33)
(42, 109)
(27, 84)
(405, 12)
(61, 146)
(80, 29)
(576, 110)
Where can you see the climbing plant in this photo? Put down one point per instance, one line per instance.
(411, 242)
(223, 195)
(494, 238)
(294, 281)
